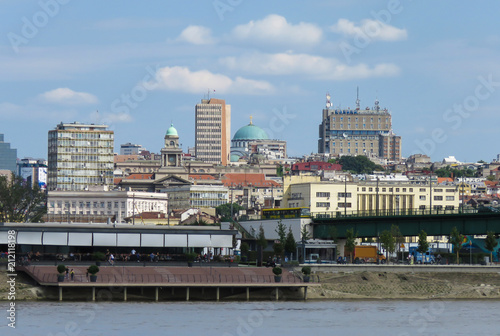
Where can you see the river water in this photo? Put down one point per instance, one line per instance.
(367, 318)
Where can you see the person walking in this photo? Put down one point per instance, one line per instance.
(72, 274)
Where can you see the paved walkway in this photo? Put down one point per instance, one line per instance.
(157, 275)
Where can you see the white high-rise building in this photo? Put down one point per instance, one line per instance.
(80, 156)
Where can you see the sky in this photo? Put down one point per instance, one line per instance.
(140, 66)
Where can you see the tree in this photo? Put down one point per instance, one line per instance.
(490, 177)
(358, 164)
(20, 201)
(456, 240)
(278, 249)
(490, 243)
(279, 171)
(244, 247)
(388, 242)
(224, 210)
(290, 243)
(423, 244)
(304, 233)
(261, 242)
(281, 231)
(350, 242)
(396, 233)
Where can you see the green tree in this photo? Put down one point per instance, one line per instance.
(490, 177)
(290, 243)
(490, 243)
(456, 240)
(423, 244)
(350, 243)
(20, 201)
(388, 243)
(278, 249)
(245, 248)
(304, 234)
(261, 242)
(358, 164)
(224, 210)
(396, 233)
(281, 231)
(279, 171)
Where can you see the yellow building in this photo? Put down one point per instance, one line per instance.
(384, 197)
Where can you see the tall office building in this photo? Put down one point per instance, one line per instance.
(213, 131)
(358, 132)
(8, 156)
(80, 156)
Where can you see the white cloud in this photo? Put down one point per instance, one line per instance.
(110, 118)
(67, 96)
(198, 35)
(373, 29)
(316, 67)
(274, 29)
(182, 79)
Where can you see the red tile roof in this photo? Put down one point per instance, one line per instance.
(139, 176)
(257, 180)
(444, 179)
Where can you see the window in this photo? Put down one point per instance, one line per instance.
(383, 189)
(344, 195)
(322, 194)
(344, 205)
(422, 190)
(449, 207)
(438, 198)
(450, 198)
(438, 190)
(422, 197)
(404, 189)
(322, 204)
(422, 207)
(450, 190)
(411, 189)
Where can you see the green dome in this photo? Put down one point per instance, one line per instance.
(172, 130)
(250, 132)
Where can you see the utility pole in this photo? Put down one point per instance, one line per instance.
(345, 195)
(133, 208)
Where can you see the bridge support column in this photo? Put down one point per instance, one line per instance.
(217, 292)
(124, 293)
(305, 293)
(60, 294)
(156, 294)
(187, 293)
(277, 294)
(248, 293)
(93, 294)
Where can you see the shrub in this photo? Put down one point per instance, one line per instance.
(93, 269)
(277, 270)
(61, 269)
(306, 270)
(98, 256)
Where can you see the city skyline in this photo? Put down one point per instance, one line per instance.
(139, 70)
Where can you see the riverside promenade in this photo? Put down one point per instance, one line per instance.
(210, 283)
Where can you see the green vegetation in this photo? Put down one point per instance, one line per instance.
(277, 270)
(304, 233)
(261, 242)
(490, 243)
(279, 171)
(61, 269)
(20, 202)
(423, 244)
(359, 164)
(290, 243)
(448, 171)
(93, 269)
(388, 242)
(350, 243)
(456, 240)
(306, 270)
(224, 210)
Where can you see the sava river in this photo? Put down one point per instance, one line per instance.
(367, 318)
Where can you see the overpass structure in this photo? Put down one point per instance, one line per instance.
(410, 223)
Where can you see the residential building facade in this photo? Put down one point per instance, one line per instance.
(213, 131)
(79, 156)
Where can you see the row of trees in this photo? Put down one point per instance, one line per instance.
(20, 201)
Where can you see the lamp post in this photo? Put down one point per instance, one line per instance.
(376, 201)
(345, 195)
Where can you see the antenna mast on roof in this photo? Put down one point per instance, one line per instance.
(357, 98)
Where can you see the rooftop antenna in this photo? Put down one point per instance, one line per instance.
(328, 102)
(357, 98)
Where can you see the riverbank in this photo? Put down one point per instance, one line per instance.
(372, 284)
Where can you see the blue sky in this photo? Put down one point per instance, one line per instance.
(142, 65)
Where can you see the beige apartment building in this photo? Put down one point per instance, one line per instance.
(213, 131)
(386, 197)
